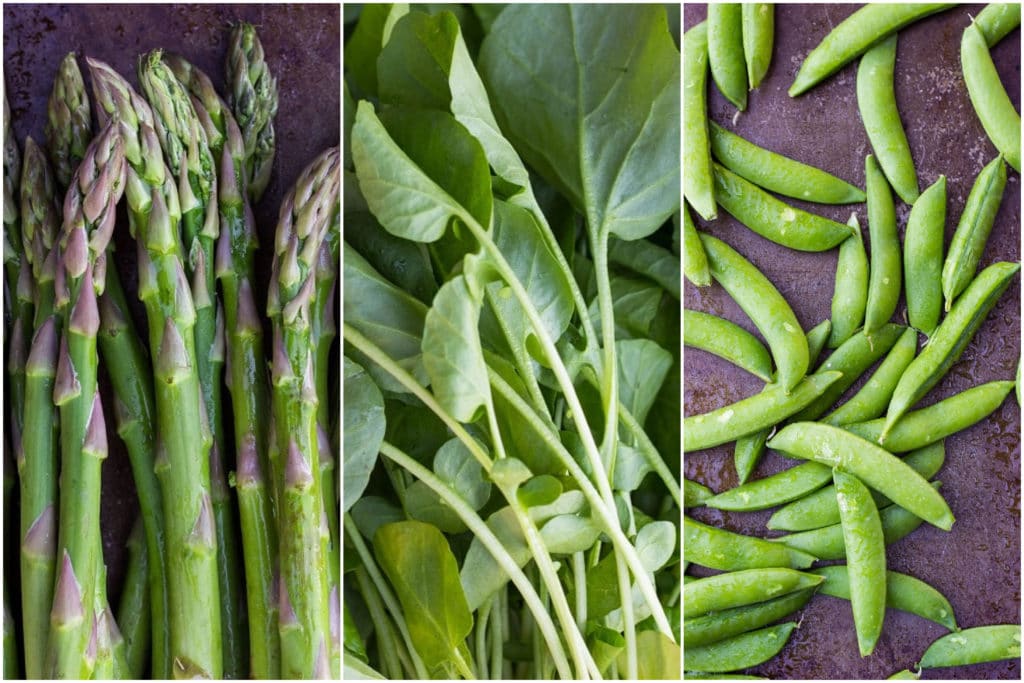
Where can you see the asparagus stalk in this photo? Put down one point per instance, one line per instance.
(12, 230)
(253, 99)
(248, 384)
(119, 651)
(133, 613)
(68, 122)
(324, 330)
(10, 642)
(183, 444)
(306, 217)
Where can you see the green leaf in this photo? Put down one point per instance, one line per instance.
(542, 490)
(372, 512)
(648, 260)
(589, 94)
(424, 504)
(604, 643)
(364, 431)
(421, 568)
(655, 543)
(356, 670)
(457, 467)
(363, 46)
(452, 354)
(630, 468)
(643, 366)
(658, 657)
(567, 534)
(509, 473)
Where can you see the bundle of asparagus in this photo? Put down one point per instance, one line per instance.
(233, 568)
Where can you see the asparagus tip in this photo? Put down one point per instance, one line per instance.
(67, 595)
(281, 365)
(66, 386)
(41, 538)
(247, 466)
(322, 671)
(172, 362)
(334, 613)
(203, 531)
(96, 432)
(42, 357)
(247, 319)
(297, 474)
(85, 315)
(75, 255)
(287, 616)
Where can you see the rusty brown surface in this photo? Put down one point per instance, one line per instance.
(977, 564)
(301, 43)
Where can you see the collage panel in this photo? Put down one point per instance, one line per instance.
(511, 342)
(852, 329)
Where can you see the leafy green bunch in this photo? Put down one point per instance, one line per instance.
(511, 329)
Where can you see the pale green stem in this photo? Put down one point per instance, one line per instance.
(387, 646)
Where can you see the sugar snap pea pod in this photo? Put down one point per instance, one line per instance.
(745, 587)
(922, 257)
(725, 51)
(774, 219)
(695, 261)
(694, 493)
(827, 542)
(717, 548)
(765, 307)
(973, 646)
(905, 675)
(873, 398)
(876, 467)
(850, 296)
(698, 176)
(876, 100)
(949, 340)
(853, 36)
(821, 508)
(928, 425)
(973, 229)
(758, 39)
(817, 337)
(865, 557)
(886, 269)
(997, 20)
(739, 652)
(779, 173)
(711, 628)
(902, 592)
(752, 414)
(853, 358)
(988, 96)
(791, 484)
(727, 340)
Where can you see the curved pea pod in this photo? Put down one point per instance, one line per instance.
(711, 628)
(725, 51)
(717, 548)
(758, 39)
(698, 176)
(922, 257)
(740, 588)
(827, 542)
(853, 36)
(727, 340)
(765, 307)
(928, 425)
(902, 592)
(779, 173)
(821, 508)
(695, 261)
(876, 467)
(991, 102)
(774, 219)
(694, 493)
(850, 296)
(973, 229)
(949, 340)
(886, 266)
(973, 646)
(739, 652)
(817, 337)
(998, 19)
(782, 487)
(752, 414)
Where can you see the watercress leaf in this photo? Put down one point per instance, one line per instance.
(348, 113)
(371, 512)
(487, 13)
(481, 575)
(457, 467)
(655, 543)
(649, 260)
(637, 304)
(353, 641)
(604, 644)
(569, 503)
(602, 588)
(605, 129)
(413, 67)
(509, 473)
(421, 568)
(424, 504)
(431, 171)
(643, 366)
(541, 490)
(364, 431)
(567, 534)
(657, 657)
(357, 670)
(415, 429)
(386, 315)
(452, 354)
(363, 46)
(630, 468)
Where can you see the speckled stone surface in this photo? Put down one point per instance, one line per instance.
(302, 46)
(977, 564)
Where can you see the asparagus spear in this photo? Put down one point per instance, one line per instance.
(68, 124)
(133, 613)
(253, 98)
(183, 440)
(88, 224)
(305, 219)
(11, 669)
(248, 383)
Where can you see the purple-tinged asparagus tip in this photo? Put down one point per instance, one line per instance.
(162, 233)
(66, 386)
(203, 531)
(211, 220)
(322, 670)
(200, 292)
(248, 319)
(323, 444)
(297, 473)
(75, 254)
(147, 271)
(222, 255)
(309, 382)
(85, 315)
(334, 613)
(93, 647)
(281, 365)
(42, 358)
(247, 464)
(67, 596)
(172, 362)
(287, 616)
(99, 273)
(185, 309)
(228, 180)
(41, 538)
(299, 305)
(217, 352)
(25, 285)
(112, 318)
(16, 357)
(96, 432)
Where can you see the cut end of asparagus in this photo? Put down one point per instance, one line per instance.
(297, 473)
(67, 596)
(66, 386)
(95, 442)
(41, 538)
